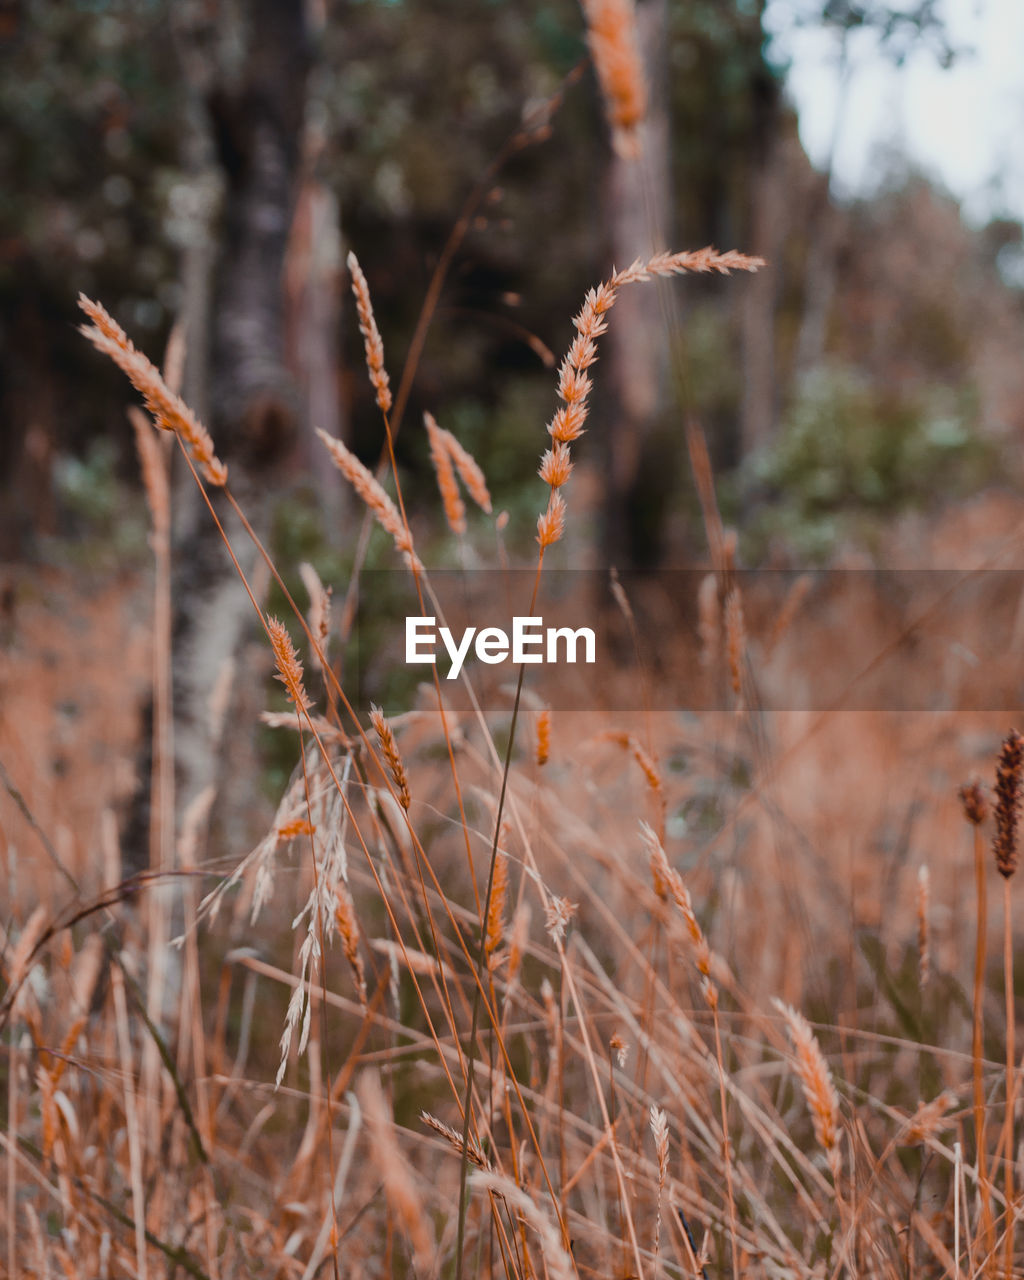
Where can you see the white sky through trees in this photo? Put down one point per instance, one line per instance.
(963, 126)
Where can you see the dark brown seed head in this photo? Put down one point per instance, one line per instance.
(972, 797)
(1007, 808)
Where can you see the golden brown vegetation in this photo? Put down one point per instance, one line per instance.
(577, 972)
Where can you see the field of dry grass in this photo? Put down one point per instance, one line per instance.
(530, 992)
(667, 994)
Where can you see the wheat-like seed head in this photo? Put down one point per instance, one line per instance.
(454, 508)
(388, 745)
(551, 523)
(816, 1079)
(556, 465)
(348, 928)
(496, 911)
(169, 411)
(369, 488)
(574, 382)
(659, 1129)
(558, 912)
(470, 472)
(289, 667)
(668, 884)
(474, 1151)
(543, 736)
(371, 335)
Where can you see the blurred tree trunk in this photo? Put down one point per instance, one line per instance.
(767, 229)
(637, 214)
(256, 115)
(820, 269)
(313, 276)
(251, 132)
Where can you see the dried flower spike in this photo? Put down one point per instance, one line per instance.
(474, 1152)
(972, 797)
(551, 524)
(668, 884)
(819, 1091)
(543, 736)
(556, 466)
(1007, 807)
(371, 335)
(558, 912)
(614, 47)
(169, 411)
(469, 471)
(372, 493)
(289, 668)
(496, 907)
(454, 507)
(388, 745)
(345, 918)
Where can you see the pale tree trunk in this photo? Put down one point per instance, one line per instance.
(767, 229)
(249, 132)
(313, 275)
(637, 217)
(820, 271)
(257, 120)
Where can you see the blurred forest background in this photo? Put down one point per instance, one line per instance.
(212, 162)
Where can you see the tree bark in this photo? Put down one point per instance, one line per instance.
(254, 117)
(637, 217)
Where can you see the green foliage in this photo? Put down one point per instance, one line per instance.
(848, 448)
(106, 524)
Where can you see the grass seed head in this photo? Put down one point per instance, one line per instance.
(1007, 806)
(388, 745)
(372, 343)
(974, 801)
(289, 667)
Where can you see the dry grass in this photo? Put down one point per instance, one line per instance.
(522, 960)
